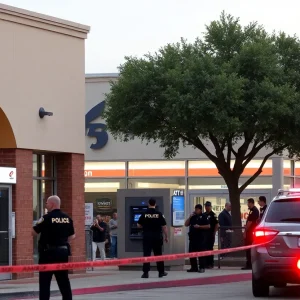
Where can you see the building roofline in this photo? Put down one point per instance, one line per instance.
(101, 75)
(41, 21)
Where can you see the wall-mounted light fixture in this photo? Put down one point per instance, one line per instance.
(43, 113)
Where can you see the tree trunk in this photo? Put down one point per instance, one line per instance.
(234, 197)
(237, 234)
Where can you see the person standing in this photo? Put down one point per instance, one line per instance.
(214, 225)
(199, 226)
(99, 229)
(251, 223)
(56, 231)
(113, 225)
(154, 226)
(262, 201)
(225, 223)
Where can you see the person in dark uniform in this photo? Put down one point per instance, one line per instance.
(153, 224)
(225, 223)
(262, 201)
(214, 225)
(251, 223)
(199, 226)
(56, 230)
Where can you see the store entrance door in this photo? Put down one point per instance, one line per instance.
(5, 230)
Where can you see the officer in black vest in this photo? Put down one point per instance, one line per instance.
(214, 225)
(153, 224)
(56, 229)
(198, 233)
(251, 223)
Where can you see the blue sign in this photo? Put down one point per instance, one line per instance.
(96, 130)
(177, 211)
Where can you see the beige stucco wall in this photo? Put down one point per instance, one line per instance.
(42, 65)
(96, 87)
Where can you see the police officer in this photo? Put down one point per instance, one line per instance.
(56, 230)
(199, 226)
(251, 223)
(214, 225)
(153, 223)
(262, 201)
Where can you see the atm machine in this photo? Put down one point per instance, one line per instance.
(131, 204)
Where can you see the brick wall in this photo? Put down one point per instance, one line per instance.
(70, 188)
(22, 205)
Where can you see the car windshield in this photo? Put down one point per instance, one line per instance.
(284, 210)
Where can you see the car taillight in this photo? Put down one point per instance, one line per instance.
(264, 235)
(298, 264)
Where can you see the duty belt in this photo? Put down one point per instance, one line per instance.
(52, 247)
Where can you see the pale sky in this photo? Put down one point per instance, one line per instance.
(135, 27)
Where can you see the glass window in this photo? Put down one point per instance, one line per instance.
(287, 167)
(104, 185)
(103, 195)
(161, 168)
(35, 165)
(156, 183)
(202, 183)
(287, 210)
(206, 168)
(47, 162)
(297, 168)
(104, 169)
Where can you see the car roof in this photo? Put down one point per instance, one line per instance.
(287, 194)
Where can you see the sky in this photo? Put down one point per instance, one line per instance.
(122, 28)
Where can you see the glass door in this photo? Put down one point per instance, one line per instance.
(5, 236)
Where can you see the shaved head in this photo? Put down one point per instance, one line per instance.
(53, 202)
(228, 206)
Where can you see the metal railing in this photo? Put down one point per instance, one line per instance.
(89, 245)
(231, 237)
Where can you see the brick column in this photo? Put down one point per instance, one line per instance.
(22, 205)
(70, 188)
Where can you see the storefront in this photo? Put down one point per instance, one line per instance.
(41, 120)
(110, 165)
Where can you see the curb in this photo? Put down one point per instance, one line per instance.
(221, 279)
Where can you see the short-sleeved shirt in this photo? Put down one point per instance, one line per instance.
(55, 229)
(152, 222)
(253, 217)
(201, 220)
(98, 235)
(213, 221)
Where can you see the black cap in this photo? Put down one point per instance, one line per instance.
(198, 206)
(207, 203)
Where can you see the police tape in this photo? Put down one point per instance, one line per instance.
(116, 262)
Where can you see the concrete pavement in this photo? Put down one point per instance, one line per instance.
(110, 279)
(231, 291)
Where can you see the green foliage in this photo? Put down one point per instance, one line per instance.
(238, 88)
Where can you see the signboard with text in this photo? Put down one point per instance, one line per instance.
(89, 208)
(177, 211)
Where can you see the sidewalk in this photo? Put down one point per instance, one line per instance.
(110, 279)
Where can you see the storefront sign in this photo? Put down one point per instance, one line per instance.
(178, 193)
(177, 231)
(177, 211)
(96, 130)
(89, 209)
(104, 204)
(8, 175)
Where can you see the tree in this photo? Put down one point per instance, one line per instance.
(237, 88)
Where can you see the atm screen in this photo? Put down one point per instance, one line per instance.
(137, 217)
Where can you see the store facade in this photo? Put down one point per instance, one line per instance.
(42, 145)
(111, 165)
